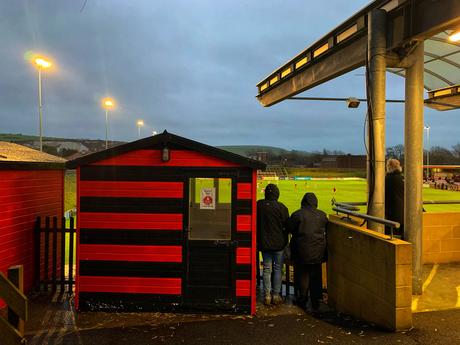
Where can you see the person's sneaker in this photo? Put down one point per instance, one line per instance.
(268, 300)
(277, 300)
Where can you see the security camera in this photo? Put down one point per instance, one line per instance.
(353, 102)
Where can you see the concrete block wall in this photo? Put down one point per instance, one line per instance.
(441, 237)
(369, 276)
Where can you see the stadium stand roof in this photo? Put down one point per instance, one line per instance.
(344, 49)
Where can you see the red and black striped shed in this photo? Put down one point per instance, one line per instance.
(166, 222)
(31, 185)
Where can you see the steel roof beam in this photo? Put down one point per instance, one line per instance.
(407, 21)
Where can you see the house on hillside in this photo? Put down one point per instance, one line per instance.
(343, 162)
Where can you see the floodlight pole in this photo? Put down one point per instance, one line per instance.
(40, 107)
(376, 104)
(106, 129)
(413, 162)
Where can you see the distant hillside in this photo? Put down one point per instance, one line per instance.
(69, 148)
(63, 147)
(245, 150)
(16, 138)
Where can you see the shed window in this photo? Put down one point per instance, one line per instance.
(210, 209)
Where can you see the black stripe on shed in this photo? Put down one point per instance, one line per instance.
(131, 237)
(130, 269)
(130, 205)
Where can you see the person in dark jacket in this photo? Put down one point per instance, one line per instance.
(271, 240)
(308, 249)
(394, 195)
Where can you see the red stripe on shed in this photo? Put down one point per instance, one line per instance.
(243, 255)
(243, 222)
(183, 158)
(130, 253)
(166, 286)
(254, 251)
(150, 221)
(244, 191)
(132, 189)
(243, 288)
(77, 263)
(25, 195)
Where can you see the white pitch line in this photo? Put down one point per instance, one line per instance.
(458, 297)
(427, 282)
(430, 277)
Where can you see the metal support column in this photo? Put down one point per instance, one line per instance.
(413, 163)
(376, 120)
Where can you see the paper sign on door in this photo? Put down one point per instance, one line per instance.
(208, 199)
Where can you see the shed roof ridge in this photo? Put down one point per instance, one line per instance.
(165, 138)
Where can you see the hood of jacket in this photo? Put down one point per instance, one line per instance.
(309, 200)
(272, 192)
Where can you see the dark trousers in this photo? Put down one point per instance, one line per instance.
(309, 280)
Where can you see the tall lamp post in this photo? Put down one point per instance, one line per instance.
(42, 64)
(107, 104)
(427, 128)
(140, 123)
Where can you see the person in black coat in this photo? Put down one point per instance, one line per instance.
(308, 249)
(394, 195)
(271, 240)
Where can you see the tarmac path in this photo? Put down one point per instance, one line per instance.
(57, 323)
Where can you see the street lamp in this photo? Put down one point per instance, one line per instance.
(427, 128)
(455, 36)
(107, 104)
(140, 123)
(41, 63)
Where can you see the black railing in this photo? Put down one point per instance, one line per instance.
(389, 223)
(353, 205)
(62, 252)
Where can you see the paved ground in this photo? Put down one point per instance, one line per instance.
(441, 288)
(56, 323)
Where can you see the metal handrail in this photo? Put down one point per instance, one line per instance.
(347, 206)
(440, 202)
(392, 225)
(425, 202)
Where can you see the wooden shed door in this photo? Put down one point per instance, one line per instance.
(210, 249)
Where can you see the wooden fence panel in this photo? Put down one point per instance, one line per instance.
(51, 251)
(13, 297)
(16, 277)
(10, 335)
(11, 291)
(71, 244)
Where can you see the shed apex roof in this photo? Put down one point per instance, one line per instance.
(164, 139)
(14, 153)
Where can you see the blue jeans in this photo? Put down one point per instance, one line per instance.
(274, 258)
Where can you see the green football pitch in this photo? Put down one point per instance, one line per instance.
(291, 193)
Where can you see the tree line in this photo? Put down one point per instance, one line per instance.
(438, 155)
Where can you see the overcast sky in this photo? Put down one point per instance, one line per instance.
(188, 66)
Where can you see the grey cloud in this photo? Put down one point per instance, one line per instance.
(188, 66)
